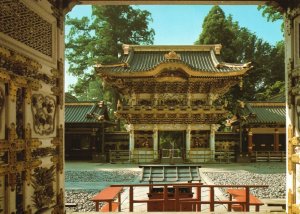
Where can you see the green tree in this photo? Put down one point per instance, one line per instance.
(241, 46)
(216, 21)
(99, 39)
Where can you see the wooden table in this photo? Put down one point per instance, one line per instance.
(240, 196)
(108, 195)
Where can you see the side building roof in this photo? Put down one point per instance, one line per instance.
(268, 113)
(86, 113)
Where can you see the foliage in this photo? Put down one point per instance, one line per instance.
(42, 183)
(241, 46)
(271, 13)
(277, 88)
(99, 40)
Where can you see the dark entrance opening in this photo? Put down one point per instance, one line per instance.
(171, 145)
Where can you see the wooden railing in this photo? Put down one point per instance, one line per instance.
(197, 201)
(268, 156)
(224, 156)
(119, 156)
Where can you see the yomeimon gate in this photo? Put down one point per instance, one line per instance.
(172, 99)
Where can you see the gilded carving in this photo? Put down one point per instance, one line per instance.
(43, 112)
(44, 152)
(298, 113)
(2, 101)
(20, 113)
(42, 182)
(143, 139)
(58, 88)
(11, 147)
(58, 143)
(26, 26)
(22, 70)
(60, 204)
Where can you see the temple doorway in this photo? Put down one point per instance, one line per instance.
(171, 145)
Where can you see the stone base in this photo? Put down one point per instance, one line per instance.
(99, 158)
(244, 158)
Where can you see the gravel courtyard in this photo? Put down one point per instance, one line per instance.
(83, 179)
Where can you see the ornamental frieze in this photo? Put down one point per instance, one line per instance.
(43, 112)
(14, 65)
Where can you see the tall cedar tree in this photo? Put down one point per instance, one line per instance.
(241, 46)
(99, 39)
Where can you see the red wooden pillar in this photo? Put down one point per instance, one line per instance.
(131, 199)
(276, 140)
(212, 199)
(250, 141)
(177, 199)
(165, 196)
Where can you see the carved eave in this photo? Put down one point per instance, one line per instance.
(174, 66)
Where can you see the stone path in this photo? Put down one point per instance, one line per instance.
(141, 193)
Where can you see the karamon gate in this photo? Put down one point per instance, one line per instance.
(169, 89)
(32, 100)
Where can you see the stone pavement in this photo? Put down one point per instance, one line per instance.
(141, 193)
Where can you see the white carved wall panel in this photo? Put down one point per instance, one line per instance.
(31, 72)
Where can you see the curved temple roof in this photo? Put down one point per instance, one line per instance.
(196, 58)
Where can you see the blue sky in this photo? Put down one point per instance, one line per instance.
(182, 24)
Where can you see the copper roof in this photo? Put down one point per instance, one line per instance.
(204, 58)
(85, 112)
(265, 113)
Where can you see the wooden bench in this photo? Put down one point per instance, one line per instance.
(70, 205)
(108, 195)
(239, 195)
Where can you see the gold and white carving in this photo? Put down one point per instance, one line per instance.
(297, 41)
(2, 111)
(43, 114)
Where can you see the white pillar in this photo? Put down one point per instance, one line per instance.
(188, 141)
(212, 144)
(130, 128)
(155, 141)
(156, 99)
(189, 97)
(133, 99)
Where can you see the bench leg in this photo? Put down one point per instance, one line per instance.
(119, 200)
(229, 205)
(257, 208)
(109, 206)
(97, 206)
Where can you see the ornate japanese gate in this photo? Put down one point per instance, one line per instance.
(31, 99)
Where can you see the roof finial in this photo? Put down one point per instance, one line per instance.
(218, 48)
(125, 49)
(172, 55)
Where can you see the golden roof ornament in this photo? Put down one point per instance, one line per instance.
(172, 55)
